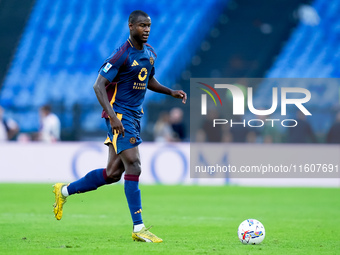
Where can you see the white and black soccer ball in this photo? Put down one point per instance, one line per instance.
(251, 231)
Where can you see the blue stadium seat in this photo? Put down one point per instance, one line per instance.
(65, 42)
(314, 52)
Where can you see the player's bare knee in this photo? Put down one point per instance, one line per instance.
(115, 177)
(134, 167)
(114, 174)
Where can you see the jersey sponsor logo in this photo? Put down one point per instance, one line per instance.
(139, 85)
(135, 63)
(152, 61)
(143, 74)
(107, 67)
(132, 140)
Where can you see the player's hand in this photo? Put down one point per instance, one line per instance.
(117, 126)
(179, 94)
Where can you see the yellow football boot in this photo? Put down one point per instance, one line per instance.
(60, 200)
(145, 236)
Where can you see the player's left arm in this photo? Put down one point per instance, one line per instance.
(155, 86)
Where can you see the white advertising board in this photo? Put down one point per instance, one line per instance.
(161, 163)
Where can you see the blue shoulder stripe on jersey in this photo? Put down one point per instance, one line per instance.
(119, 53)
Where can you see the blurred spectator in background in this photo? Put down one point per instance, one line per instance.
(209, 133)
(239, 132)
(177, 124)
(8, 127)
(162, 130)
(303, 132)
(308, 15)
(49, 126)
(333, 135)
(268, 133)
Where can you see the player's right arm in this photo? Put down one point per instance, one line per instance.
(107, 74)
(100, 90)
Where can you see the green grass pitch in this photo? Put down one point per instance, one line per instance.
(190, 219)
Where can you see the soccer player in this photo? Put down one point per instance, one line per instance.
(120, 89)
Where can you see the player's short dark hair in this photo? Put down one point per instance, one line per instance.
(135, 14)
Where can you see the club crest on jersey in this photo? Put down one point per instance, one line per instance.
(132, 140)
(152, 61)
(107, 67)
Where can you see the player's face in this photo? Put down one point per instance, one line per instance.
(140, 30)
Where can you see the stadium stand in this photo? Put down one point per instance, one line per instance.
(64, 44)
(313, 51)
(12, 24)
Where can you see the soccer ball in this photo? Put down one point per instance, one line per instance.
(251, 231)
